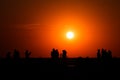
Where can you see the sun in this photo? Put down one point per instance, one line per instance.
(70, 35)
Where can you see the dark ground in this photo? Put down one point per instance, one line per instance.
(69, 69)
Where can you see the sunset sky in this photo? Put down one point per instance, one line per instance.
(40, 25)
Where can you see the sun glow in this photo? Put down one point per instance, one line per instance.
(70, 35)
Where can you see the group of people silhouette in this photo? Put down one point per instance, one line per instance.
(55, 54)
(101, 54)
(104, 54)
(16, 54)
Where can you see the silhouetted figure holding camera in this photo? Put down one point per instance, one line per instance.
(27, 54)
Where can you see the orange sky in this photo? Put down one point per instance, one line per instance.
(39, 26)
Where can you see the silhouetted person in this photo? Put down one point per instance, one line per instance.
(27, 54)
(57, 54)
(104, 54)
(53, 53)
(16, 54)
(64, 56)
(98, 54)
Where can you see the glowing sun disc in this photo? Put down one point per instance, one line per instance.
(70, 35)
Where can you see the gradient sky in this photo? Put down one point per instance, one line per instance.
(40, 25)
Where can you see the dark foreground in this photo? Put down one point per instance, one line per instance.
(69, 69)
